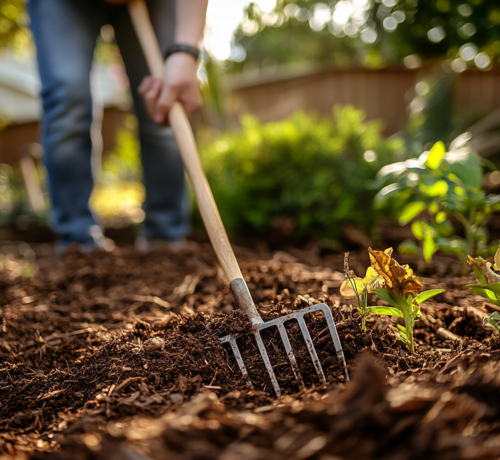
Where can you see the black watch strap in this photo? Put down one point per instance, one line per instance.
(181, 48)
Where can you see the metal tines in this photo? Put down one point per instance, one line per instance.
(280, 324)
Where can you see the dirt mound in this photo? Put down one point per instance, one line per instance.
(89, 342)
(370, 419)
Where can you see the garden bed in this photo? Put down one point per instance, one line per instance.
(117, 356)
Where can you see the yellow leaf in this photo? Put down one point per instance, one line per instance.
(397, 279)
(497, 259)
(370, 275)
(485, 268)
(372, 280)
(348, 286)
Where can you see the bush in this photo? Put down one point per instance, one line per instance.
(315, 174)
(428, 191)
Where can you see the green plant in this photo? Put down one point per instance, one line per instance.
(123, 164)
(315, 174)
(436, 187)
(488, 277)
(394, 284)
(360, 288)
(494, 320)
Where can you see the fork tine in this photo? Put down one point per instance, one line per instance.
(335, 338)
(267, 363)
(279, 323)
(291, 356)
(312, 350)
(240, 362)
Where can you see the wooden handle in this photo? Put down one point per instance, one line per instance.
(187, 145)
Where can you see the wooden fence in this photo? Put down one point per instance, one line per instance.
(383, 94)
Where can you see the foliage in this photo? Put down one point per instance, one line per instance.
(440, 28)
(260, 42)
(434, 188)
(15, 207)
(430, 113)
(315, 174)
(14, 25)
(394, 284)
(118, 193)
(372, 32)
(488, 277)
(123, 163)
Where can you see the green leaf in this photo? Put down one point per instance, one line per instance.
(402, 330)
(403, 339)
(429, 247)
(466, 166)
(417, 228)
(436, 155)
(479, 276)
(387, 296)
(389, 311)
(495, 316)
(423, 296)
(439, 188)
(402, 335)
(386, 193)
(440, 217)
(408, 247)
(411, 211)
(494, 320)
(484, 292)
(495, 287)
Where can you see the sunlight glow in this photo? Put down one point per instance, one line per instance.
(223, 17)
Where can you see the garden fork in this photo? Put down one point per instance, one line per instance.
(210, 214)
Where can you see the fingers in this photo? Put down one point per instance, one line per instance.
(145, 84)
(159, 98)
(168, 96)
(191, 100)
(150, 89)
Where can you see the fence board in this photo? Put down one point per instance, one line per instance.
(382, 93)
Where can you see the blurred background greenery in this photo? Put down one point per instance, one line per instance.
(305, 102)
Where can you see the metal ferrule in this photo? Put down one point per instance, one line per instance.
(244, 300)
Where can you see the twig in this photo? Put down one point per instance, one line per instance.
(150, 299)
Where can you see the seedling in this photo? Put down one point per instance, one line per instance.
(488, 275)
(396, 285)
(357, 287)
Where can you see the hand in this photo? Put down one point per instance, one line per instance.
(179, 84)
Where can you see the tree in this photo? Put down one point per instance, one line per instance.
(371, 32)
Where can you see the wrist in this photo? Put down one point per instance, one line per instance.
(183, 48)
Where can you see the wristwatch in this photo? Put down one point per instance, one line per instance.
(182, 48)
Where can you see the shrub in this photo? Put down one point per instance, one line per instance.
(316, 174)
(429, 190)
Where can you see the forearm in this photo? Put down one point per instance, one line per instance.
(190, 21)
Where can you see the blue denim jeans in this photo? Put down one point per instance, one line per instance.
(65, 33)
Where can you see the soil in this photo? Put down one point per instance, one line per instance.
(117, 356)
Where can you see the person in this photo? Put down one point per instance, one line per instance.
(65, 34)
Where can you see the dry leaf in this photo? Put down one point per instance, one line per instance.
(397, 278)
(486, 268)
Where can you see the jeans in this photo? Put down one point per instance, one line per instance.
(65, 33)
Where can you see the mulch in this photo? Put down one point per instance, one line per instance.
(118, 356)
